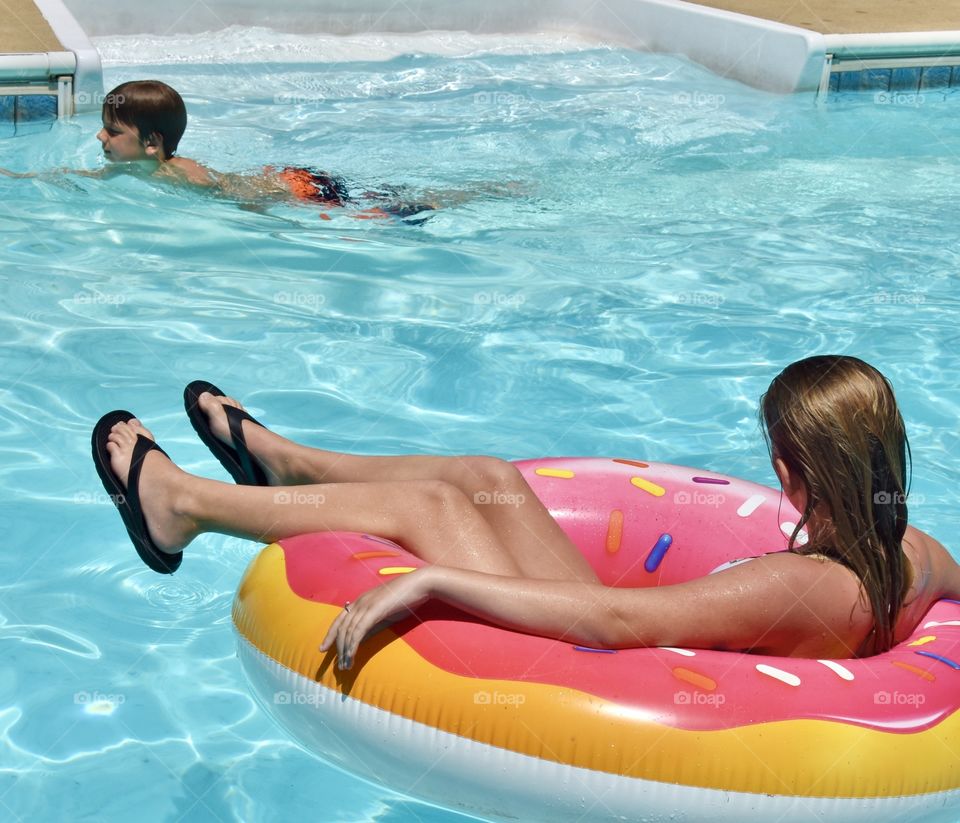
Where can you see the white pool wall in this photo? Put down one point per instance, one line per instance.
(760, 53)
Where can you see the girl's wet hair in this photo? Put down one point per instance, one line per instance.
(834, 422)
(151, 107)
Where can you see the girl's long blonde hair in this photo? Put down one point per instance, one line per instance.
(834, 422)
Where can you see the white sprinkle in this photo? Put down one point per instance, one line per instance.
(750, 505)
(833, 665)
(731, 563)
(684, 652)
(933, 623)
(787, 528)
(778, 674)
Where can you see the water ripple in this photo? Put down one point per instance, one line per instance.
(50, 637)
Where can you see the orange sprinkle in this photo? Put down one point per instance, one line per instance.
(614, 531)
(695, 678)
(397, 570)
(922, 641)
(367, 555)
(924, 674)
(638, 463)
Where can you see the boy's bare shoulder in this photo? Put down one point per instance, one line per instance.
(189, 171)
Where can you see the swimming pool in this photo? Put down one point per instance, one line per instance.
(672, 241)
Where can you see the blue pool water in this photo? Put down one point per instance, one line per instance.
(667, 242)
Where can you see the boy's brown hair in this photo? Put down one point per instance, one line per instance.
(151, 107)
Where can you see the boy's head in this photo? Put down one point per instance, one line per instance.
(152, 110)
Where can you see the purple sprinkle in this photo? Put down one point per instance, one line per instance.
(381, 540)
(657, 552)
(715, 480)
(595, 651)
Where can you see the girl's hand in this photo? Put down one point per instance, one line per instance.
(374, 610)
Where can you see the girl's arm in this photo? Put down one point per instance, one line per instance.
(778, 604)
(553, 608)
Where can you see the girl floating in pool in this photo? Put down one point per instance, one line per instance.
(861, 582)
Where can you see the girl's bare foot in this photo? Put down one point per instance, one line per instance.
(279, 458)
(161, 487)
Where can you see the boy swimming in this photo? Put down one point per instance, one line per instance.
(143, 122)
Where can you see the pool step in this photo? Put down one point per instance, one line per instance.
(894, 49)
(48, 67)
(894, 67)
(896, 83)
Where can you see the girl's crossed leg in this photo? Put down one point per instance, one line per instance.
(469, 512)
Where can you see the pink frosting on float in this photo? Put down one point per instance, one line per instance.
(906, 689)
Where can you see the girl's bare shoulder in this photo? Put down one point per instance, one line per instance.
(936, 573)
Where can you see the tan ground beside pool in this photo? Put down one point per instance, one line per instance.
(838, 17)
(24, 29)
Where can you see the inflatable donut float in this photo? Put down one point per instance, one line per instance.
(508, 726)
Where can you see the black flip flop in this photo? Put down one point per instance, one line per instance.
(127, 500)
(235, 459)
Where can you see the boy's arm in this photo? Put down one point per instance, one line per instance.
(104, 172)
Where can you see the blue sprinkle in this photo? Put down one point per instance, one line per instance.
(946, 660)
(657, 552)
(595, 651)
(946, 600)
